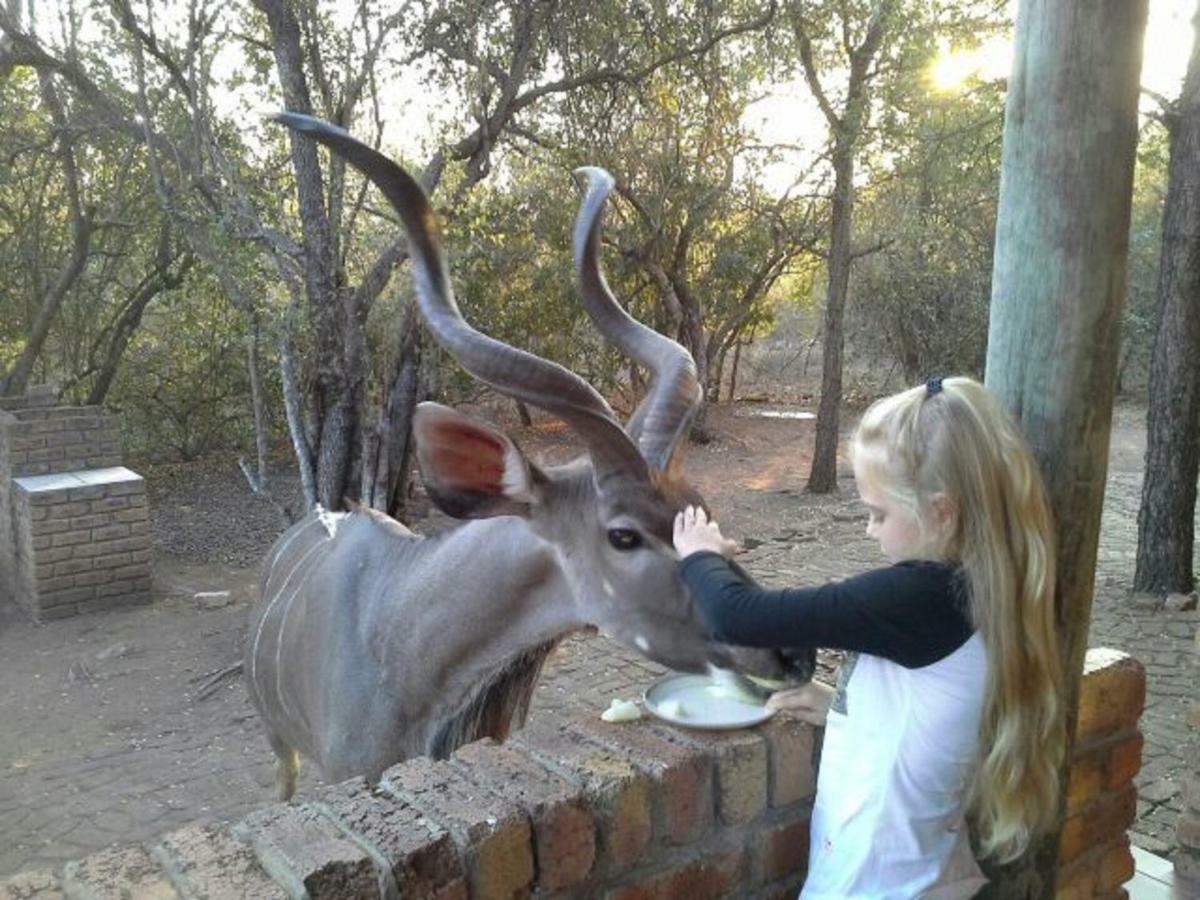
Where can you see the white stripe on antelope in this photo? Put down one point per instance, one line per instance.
(371, 644)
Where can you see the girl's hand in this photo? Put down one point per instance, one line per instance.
(694, 532)
(808, 703)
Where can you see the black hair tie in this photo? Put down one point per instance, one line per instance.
(933, 386)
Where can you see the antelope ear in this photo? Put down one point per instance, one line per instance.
(472, 470)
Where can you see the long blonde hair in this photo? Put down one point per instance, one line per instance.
(960, 444)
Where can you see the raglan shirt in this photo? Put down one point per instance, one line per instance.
(902, 737)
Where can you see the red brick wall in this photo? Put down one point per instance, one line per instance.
(1094, 856)
(574, 807)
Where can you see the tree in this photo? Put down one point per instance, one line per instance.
(1058, 288)
(171, 117)
(1166, 529)
(861, 43)
(500, 56)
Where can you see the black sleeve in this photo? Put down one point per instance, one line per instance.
(912, 613)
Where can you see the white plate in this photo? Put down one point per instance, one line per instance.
(697, 701)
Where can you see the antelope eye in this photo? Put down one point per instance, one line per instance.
(624, 538)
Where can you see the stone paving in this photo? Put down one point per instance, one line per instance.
(104, 737)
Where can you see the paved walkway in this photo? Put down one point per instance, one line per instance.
(104, 737)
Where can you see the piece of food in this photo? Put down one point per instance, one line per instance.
(621, 711)
(771, 684)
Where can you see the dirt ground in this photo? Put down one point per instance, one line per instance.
(107, 731)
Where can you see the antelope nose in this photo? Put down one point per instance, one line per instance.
(798, 663)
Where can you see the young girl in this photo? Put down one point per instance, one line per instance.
(948, 702)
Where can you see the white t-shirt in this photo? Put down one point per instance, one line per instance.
(900, 748)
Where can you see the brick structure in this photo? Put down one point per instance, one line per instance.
(573, 807)
(74, 528)
(1094, 857)
(1187, 856)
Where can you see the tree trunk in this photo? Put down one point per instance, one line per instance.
(1166, 519)
(1058, 288)
(340, 349)
(128, 322)
(733, 374)
(82, 229)
(258, 402)
(823, 476)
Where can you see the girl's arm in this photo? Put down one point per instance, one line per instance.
(912, 613)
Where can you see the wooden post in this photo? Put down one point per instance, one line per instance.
(1058, 288)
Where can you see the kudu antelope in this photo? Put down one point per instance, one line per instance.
(371, 644)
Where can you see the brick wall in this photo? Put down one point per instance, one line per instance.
(81, 541)
(1187, 856)
(1094, 855)
(574, 807)
(74, 530)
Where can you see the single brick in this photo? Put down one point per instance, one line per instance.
(1103, 766)
(55, 583)
(618, 795)
(421, 855)
(122, 545)
(110, 504)
(110, 561)
(299, 847)
(492, 834)
(84, 523)
(564, 835)
(714, 876)
(31, 886)
(110, 532)
(740, 758)
(206, 861)
(117, 872)
(72, 566)
(69, 538)
(1116, 866)
(1111, 695)
(87, 579)
(683, 776)
(784, 849)
(70, 510)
